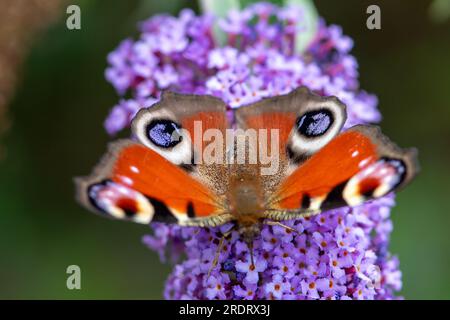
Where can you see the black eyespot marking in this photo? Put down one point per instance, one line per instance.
(164, 133)
(96, 193)
(130, 209)
(314, 123)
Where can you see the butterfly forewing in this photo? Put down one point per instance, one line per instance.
(138, 184)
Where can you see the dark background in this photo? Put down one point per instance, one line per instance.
(57, 133)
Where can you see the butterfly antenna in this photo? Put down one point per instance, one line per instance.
(217, 255)
(277, 223)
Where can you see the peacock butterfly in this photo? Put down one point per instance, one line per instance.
(168, 174)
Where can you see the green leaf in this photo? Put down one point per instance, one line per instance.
(310, 23)
(245, 3)
(219, 8)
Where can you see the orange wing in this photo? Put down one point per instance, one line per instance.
(282, 113)
(133, 182)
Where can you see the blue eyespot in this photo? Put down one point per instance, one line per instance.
(164, 133)
(314, 123)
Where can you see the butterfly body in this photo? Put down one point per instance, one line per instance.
(170, 175)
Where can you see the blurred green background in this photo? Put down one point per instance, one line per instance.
(57, 116)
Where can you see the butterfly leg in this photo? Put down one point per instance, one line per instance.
(219, 249)
(288, 214)
(277, 223)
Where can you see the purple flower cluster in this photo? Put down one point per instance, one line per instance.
(340, 254)
(258, 61)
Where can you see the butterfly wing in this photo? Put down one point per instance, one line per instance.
(321, 168)
(303, 122)
(291, 112)
(358, 165)
(134, 183)
(157, 178)
(198, 119)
